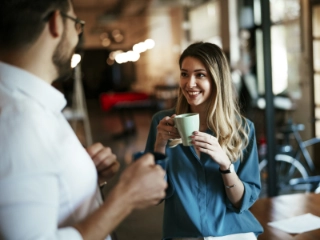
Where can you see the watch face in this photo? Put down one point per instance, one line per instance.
(232, 168)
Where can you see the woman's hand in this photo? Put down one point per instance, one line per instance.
(209, 144)
(165, 131)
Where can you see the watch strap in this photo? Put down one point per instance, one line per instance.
(225, 171)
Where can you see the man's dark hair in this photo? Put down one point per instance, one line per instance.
(22, 21)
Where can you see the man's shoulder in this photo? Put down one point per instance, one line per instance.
(20, 109)
(24, 122)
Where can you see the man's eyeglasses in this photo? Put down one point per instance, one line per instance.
(79, 24)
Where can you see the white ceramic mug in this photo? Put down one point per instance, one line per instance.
(186, 124)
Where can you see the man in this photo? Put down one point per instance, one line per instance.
(48, 181)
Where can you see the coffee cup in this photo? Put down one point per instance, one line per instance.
(186, 124)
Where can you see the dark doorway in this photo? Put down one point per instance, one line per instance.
(99, 77)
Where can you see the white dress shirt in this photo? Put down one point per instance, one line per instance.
(48, 182)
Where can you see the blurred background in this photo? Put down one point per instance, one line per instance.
(127, 69)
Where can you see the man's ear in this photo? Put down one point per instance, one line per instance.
(56, 24)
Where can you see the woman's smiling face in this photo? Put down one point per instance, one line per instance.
(195, 82)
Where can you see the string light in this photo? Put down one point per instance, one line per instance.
(132, 55)
(76, 58)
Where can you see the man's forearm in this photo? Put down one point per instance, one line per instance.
(103, 221)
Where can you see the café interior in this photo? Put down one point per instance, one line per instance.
(126, 69)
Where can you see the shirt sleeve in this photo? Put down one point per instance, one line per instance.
(151, 141)
(152, 134)
(28, 210)
(249, 173)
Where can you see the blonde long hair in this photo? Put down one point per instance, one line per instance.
(223, 117)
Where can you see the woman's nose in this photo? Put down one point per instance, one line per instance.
(192, 82)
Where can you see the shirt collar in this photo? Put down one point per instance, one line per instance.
(36, 88)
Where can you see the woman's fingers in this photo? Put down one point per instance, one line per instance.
(204, 137)
(167, 128)
(209, 144)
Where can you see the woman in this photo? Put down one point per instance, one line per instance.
(213, 183)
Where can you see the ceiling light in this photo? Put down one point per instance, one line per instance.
(118, 38)
(110, 61)
(76, 58)
(104, 35)
(116, 32)
(113, 54)
(139, 47)
(149, 43)
(106, 42)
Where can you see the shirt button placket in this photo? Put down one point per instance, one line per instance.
(202, 200)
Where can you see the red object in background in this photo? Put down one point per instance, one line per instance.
(108, 100)
(262, 146)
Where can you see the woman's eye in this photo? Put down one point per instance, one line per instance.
(183, 74)
(201, 75)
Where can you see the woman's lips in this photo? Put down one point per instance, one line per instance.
(193, 93)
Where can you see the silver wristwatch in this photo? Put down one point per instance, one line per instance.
(229, 170)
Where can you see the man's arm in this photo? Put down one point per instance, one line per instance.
(141, 185)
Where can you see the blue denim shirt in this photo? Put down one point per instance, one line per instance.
(196, 204)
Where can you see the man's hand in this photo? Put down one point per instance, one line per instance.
(141, 185)
(143, 182)
(104, 160)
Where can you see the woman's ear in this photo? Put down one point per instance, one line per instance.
(56, 24)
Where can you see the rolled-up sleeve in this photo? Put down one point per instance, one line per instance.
(249, 174)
